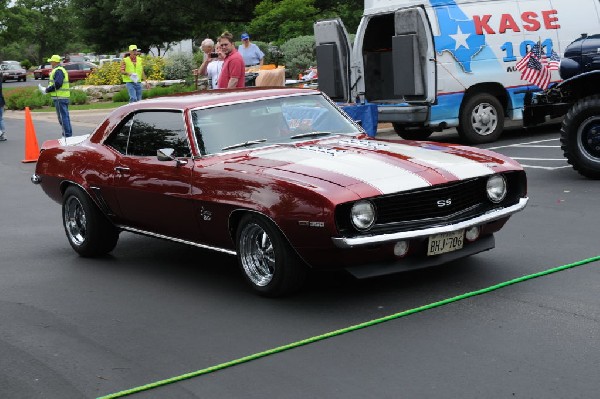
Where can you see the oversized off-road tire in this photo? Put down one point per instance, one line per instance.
(481, 119)
(268, 262)
(89, 232)
(580, 136)
(412, 133)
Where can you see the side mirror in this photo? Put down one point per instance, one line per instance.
(166, 154)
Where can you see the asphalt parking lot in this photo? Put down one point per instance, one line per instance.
(155, 310)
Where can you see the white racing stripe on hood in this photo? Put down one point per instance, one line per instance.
(383, 176)
(460, 167)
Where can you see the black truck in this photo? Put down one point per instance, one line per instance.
(577, 98)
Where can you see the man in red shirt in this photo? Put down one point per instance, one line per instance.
(233, 73)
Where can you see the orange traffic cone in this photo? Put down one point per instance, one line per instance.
(32, 150)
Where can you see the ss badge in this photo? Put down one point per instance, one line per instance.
(444, 202)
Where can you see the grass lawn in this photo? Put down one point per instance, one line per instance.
(72, 107)
(84, 107)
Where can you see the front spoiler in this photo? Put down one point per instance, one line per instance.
(351, 242)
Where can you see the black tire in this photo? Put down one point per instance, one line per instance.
(36, 77)
(580, 136)
(89, 232)
(412, 133)
(481, 119)
(268, 262)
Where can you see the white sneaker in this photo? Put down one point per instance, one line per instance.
(2, 138)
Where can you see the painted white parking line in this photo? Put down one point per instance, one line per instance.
(538, 159)
(540, 146)
(545, 167)
(522, 144)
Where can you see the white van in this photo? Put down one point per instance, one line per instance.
(436, 64)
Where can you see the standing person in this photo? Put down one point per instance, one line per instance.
(233, 73)
(212, 66)
(132, 71)
(207, 46)
(250, 52)
(60, 92)
(2, 104)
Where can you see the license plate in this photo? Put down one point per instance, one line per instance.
(445, 242)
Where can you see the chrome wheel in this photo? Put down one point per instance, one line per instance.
(484, 119)
(257, 254)
(75, 221)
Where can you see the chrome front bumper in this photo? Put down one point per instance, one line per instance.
(350, 242)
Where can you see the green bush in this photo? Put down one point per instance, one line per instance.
(179, 66)
(26, 64)
(159, 91)
(299, 54)
(30, 97)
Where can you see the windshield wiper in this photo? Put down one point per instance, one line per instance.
(310, 134)
(244, 144)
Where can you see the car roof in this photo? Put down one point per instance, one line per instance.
(205, 98)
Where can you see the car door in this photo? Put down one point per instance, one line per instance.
(153, 195)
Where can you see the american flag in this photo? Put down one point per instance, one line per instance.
(532, 69)
(552, 62)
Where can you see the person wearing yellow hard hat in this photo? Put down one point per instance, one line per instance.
(60, 91)
(132, 71)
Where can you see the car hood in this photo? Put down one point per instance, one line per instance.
(374, 167)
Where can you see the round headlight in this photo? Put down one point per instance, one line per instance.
(363, 215)
(496, 188)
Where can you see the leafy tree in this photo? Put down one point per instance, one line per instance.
(281, 20)
(39, 27)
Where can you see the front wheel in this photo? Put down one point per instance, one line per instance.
(481, 119)
(88, 231)
(267, 260)
(580, 137)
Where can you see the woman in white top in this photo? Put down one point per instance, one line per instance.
(212, 66)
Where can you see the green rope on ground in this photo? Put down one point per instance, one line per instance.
(336, 333)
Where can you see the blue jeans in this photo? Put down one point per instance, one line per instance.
(2, 128)
(134, 90)
(62, 111)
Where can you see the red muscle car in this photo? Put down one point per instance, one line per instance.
(282, 179)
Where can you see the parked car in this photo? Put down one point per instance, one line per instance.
(12, 70)
(79, 70)
(43, 72)
(107, 60)
(280, 178)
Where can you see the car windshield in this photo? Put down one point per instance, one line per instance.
(267, 122)
(10, 65)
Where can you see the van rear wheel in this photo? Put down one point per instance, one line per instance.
(417, 133)
(481, 119)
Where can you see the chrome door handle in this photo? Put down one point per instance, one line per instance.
(121, 169)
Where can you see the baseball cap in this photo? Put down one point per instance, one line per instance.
(245, 36)
(132, 47)
(54, 58)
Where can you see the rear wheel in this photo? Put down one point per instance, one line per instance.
(580, 137)
(88, 231)
(267, 260)
(412, 133)
(481, 119)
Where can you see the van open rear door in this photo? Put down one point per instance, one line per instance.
(333, 59)
(414, 63)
